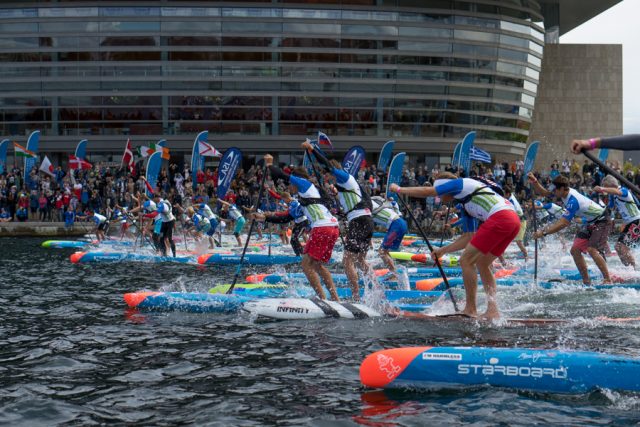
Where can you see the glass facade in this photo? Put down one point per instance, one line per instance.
(376, 69)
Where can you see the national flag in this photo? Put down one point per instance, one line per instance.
(144, 151)
(206, 149)
(165, 151)
(78, 163)
(127, 157)
(47, 167)
(480, 155)
(323, 139)
(23, 152)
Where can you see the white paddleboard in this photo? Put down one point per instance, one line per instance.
(306, 308)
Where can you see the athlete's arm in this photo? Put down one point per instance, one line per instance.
(459, 244)
(607, 190)
(553, 228)
(537, 187)
(622, 142)
(413, 191)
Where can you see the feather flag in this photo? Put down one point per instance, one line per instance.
(206, 149)
(3, 154)
(30, 160)
(127, 157)
(78, 163)
(47, 167)
(323, 139)
(23, 152)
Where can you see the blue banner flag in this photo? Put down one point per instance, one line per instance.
(161, 143)
(197, 161)
(29, 162)
(227, 170)
(3, 155)
(353, 159)
(306, 162)
(603, 155)
(81, 149)
(455, 160)
(394, 176)
(465, 152)
(153, 170)
(480, 155)
(530, 156)
(385, 155)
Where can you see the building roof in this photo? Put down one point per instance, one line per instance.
(576, 12)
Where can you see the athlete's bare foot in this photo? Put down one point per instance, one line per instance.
(490, 315)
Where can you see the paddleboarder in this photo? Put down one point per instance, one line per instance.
(387, 215)
(293, 213)
(620, 198)
(324, 227)
(165, 212)
(356, 207)
(234, 215)
(592, 236)
(500, 226)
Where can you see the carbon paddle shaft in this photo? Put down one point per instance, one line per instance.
(612, 172)
(424, 236)
(535, 230)
(253, 222)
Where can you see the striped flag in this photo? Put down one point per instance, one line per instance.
(323, 139)
(23, 152)
(480, 155)
(206, 149)
(127, 157)
(144, 151)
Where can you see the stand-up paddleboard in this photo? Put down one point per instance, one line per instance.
(339, 278)
(250, 288)
(549, 371)
(420, 242)
(306, 308)
(422, 272)
(261, 259)
(381, 234)
(97, 256)
(458, 317)
(63, 244)
(437, 284)
(261, 290)
(445, 261)
(185, 301)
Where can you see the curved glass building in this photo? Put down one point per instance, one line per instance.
(264, 75)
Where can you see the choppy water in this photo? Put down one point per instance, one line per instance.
(71, 354)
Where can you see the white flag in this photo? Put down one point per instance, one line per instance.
(47, 167)
(206, 149)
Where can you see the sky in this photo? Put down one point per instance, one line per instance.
(618, 25)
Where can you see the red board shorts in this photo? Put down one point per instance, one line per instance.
(321, 242)
(495, 234)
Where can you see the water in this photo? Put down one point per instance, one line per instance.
(71, 354)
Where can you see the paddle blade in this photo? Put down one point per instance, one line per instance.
(505, 272)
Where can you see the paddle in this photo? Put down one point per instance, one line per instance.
(612, 172)
(529, 161)
(424, 236)
(246, 243)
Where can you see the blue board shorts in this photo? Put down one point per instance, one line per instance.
(212, 229)
(395, 234)
(239, 225)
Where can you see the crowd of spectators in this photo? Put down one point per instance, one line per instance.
(102, 188)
